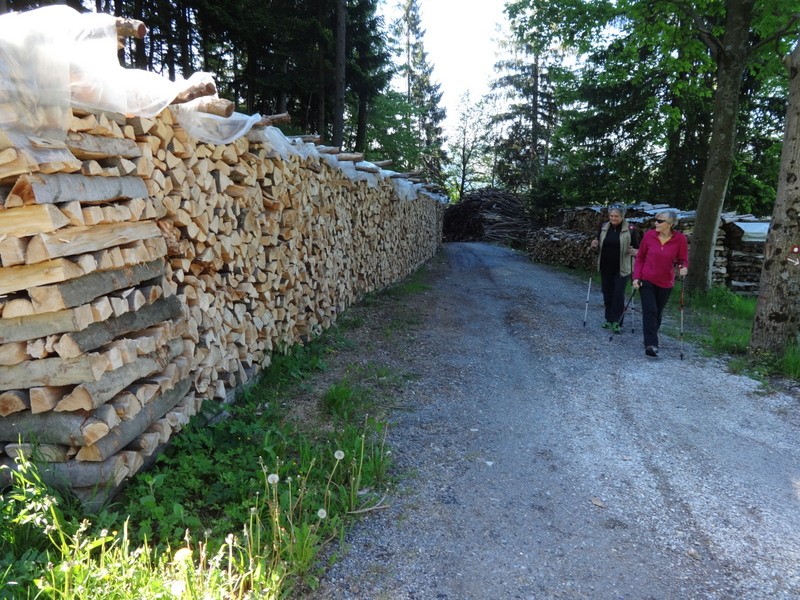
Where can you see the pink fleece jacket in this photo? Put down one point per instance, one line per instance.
(656, 262)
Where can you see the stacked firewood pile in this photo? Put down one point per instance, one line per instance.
(744, 258)
(556, 246)
(94, 367)
(489, 215)
(152, 271)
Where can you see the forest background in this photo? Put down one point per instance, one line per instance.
(594, 101)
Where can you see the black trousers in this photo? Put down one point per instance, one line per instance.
(653, 299)
(613, 286)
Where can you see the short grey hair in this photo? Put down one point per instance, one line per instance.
(672, 215)
(617, 208)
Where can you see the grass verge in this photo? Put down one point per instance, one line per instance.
(241, 502)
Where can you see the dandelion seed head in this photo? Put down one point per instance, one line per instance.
(338, 455)
(322, 513)
(183, 555)
(273, 478)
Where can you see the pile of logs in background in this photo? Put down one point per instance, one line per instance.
(488, 215)
(153, 271)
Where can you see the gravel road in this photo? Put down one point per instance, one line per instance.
(547, 461)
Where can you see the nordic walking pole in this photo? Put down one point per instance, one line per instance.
(588, 293)
(681, 330)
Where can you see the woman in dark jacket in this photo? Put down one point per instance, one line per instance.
(617, 241)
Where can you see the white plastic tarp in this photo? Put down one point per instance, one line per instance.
(53, 58)
(753, 232)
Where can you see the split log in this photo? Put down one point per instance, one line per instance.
(16, 329)
(29, 220)
(79, 240)
(95, 147)
(220, 107)
(12, 250)
(39, 453)
(53, 371)
(21, 277)
(97, 334)
(37, 188)
(13, 353)
(45, 398)
(89, 396)
(70, 429)
(127, 431)
(49, 298)
(75, 474)
(14, 401)
(17, 307)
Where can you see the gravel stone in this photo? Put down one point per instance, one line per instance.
(548, 460)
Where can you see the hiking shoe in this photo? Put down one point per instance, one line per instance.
(607, 325)
(651, 351)
(615, 328)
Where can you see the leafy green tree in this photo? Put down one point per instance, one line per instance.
(390, 134)
(747, 28)
(470, 149)
(423, 94)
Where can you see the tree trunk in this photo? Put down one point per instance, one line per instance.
(777, 322)
(361, 128)
(731, 54)
(338, 111)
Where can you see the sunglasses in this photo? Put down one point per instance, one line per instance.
(661, 221)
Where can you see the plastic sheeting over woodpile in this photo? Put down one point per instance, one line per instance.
(488, 215)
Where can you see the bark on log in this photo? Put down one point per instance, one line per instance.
(95, 147)
(89, 396)
(50, 298)
(50, 189)
(74, 474)
(69, 429)
(103, 332)
(15, 329)
(43, 453)
(79, 240)
(127, 431)
(195, 91)
(21, 277)
(53, 371)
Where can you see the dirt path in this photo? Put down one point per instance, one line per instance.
(550, 462)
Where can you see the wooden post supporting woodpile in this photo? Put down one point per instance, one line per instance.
(153, 271)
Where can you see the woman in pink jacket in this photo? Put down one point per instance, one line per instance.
(661, 250)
